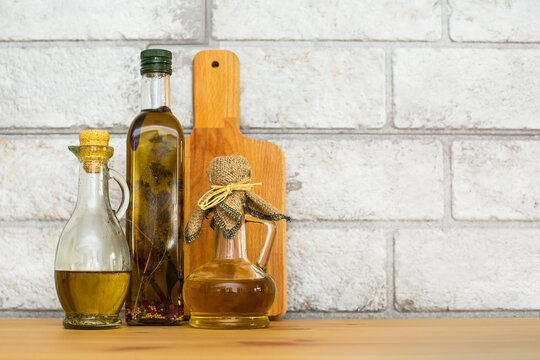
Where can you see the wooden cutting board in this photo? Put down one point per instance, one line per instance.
(216, 132)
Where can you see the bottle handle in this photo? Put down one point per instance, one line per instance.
(125, 193)
(271, 232)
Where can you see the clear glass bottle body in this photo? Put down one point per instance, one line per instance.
(154, 221)
(93, 264)
(230, 292)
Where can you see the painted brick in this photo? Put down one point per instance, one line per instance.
(496, 180)
(363, 179)
(102, 20)
(336, 269)
(466, 88)
(99, 87)
(496, 21)
(27, 268)
(68, 86)
(312, 88)
(326, 19)
(468, 269)
(39, 177)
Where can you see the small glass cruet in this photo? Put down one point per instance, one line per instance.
(93, 264)
(230, 291)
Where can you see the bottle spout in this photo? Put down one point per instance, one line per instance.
(74, 149)
(94, 150)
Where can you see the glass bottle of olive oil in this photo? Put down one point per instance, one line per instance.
(154, 221)
(93, 264)
(230, 292)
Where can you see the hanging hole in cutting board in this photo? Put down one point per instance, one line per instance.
(215, 64)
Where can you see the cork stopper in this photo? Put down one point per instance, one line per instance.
(94, 137)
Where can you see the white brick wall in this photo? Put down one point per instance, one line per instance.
(27, 258)
(496, 180)
(410, 128)
(298, 88)
(467, 269)
(326, 19)
(364, 179)
(102, 20)
(336, 269)
(467, 88)
(495, 20)
(63, 86)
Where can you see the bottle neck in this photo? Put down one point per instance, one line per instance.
(93, 186)
(155, 90)
(231, 249)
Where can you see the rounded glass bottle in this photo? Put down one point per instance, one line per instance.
(92, 265)
(230, 292)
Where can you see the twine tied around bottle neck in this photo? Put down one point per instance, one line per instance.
(218, 193)
(229, 197)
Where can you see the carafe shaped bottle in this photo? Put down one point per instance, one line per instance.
(231, 292)
(93, 264)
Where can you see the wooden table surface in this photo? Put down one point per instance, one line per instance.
(509, 339)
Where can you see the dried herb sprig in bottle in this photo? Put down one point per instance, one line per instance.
(154, 221)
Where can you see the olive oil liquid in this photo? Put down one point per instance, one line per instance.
(154, 219)
(92, 299)
(216, 303)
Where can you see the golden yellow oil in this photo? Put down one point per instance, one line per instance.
(218, 303)
(91, 298)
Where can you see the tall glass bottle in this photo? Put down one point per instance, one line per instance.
(154, 221)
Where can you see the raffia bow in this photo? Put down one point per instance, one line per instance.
(229, 197)
(219, 193)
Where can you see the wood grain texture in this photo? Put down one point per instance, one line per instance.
(216, 132)
(419, 339)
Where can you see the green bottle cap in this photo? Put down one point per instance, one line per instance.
(156, 60)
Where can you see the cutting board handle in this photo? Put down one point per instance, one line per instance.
(216, 89)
